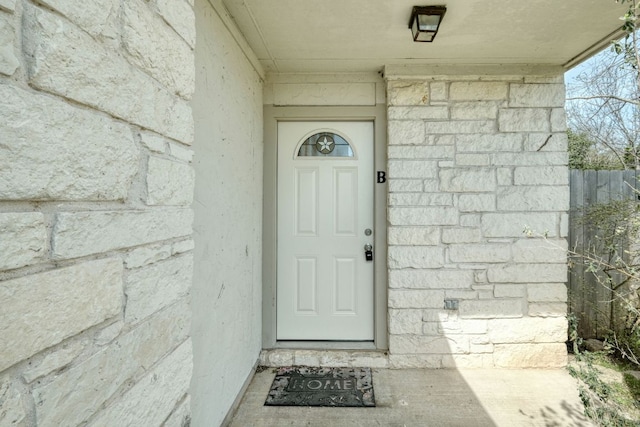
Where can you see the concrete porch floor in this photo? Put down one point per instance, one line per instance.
(425, 398)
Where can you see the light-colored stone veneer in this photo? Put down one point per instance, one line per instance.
(473, 161)
(96, 182)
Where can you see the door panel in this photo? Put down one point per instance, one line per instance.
(325, 203)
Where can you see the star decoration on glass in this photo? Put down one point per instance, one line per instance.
(325, 144)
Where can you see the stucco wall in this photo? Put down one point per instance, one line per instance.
(473, 161)
(228, 216)
(95, 225)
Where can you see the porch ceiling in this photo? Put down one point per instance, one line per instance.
(363, 35)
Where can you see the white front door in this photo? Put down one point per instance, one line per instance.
(325, 218)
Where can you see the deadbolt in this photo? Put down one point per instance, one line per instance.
(368, 232)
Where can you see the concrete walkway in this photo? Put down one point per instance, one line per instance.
(425, 398)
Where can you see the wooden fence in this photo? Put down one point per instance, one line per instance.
(589, 300)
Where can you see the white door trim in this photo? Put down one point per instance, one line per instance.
(272, 115)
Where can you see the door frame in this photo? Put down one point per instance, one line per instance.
(273, 115)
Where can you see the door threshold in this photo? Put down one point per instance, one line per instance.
(324, 356)
(326, 345)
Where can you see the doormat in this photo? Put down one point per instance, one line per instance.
(306, 386)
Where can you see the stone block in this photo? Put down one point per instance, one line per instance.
(470, 361)
(420, 199)
(480, 253)
(522, 356)
(461, 235)
(419, 299)
(547, 292)
(514, 224)
(153, 142)
(528, 273)
(478, 91)
(432, 215)
(276, 357)
(12, 410)
(533, 198)
(405, 185)
(564, 225)
(150, 401)
(8, 5)
(470, 220)
(180, 16)
(464, 326)
(523, 120)
(544, 142)
(548, 309)
(431, 279)
(99, 77)
(23, 239)
(531, 159)
(426, 152)
(53, 361)
(407, 151)
(406, 133)
(9, 62)
(153, 287)
(541, 175)
(182, 246)
(472, 160)
(36, 127)
(510, 291)
(408, 93)
(108, 334)
(536, 95)
(418, 113)
(100, 19)
(407, 321)
(474, 111)
(558, 120)
(465, 180)
(550, 78)
(495, 143)
(169, 183)
(461, 127)
(527, 330)
(540, 250)
(439, 91)
(420, 344)
(415, 361)
(306, 358)
(181, 153)
(411, 169)
(415, 257)
(84, 233)
(492, 308)
(504, 176)
(413, 236)
(181, 415)
(477, 202)
(99, 377)
(156, 48)
(41, 310)
(431, 185)
(146, 255)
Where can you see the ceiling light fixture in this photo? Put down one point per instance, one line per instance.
(425, 22)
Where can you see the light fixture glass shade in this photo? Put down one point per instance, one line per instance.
(425, 22)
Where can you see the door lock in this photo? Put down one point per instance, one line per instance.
(368, 252)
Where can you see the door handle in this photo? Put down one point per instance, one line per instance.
(368, 252)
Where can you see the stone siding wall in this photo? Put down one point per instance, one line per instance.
(473, 161)
(96, 183)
